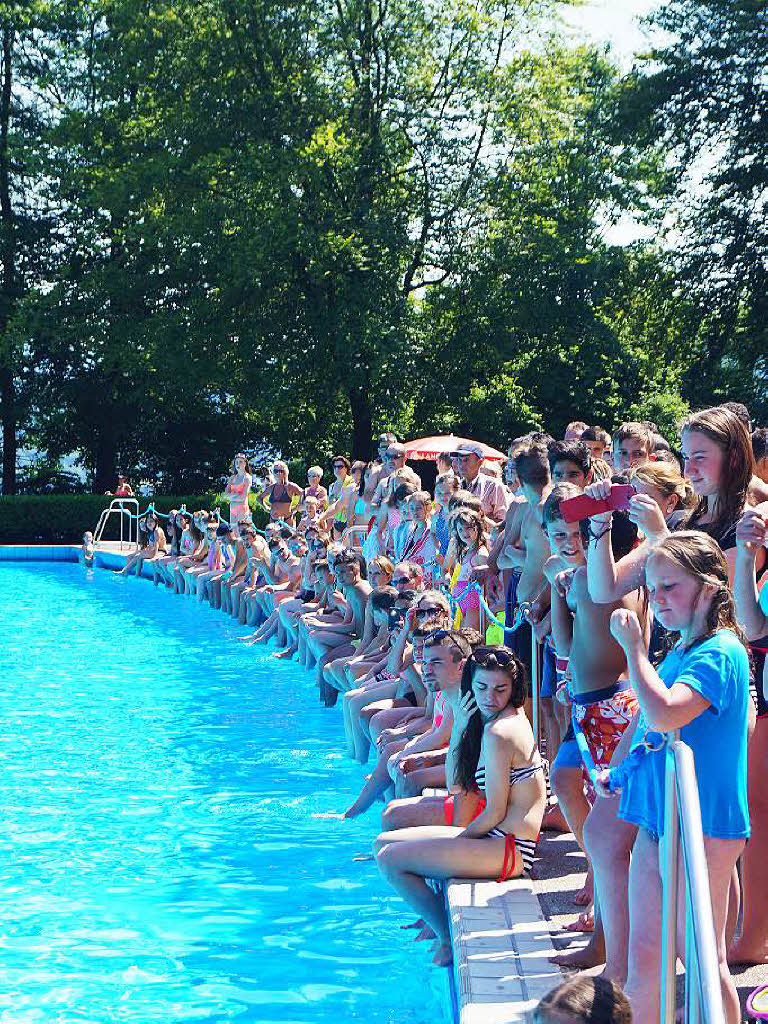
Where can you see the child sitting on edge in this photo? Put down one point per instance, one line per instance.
(88, 550)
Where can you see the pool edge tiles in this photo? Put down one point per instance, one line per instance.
(501, 948)
(38, 552)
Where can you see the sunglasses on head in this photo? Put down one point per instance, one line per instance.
(429, 609)
(501, 656)
(457, 640)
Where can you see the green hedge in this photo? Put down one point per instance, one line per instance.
(64, 518)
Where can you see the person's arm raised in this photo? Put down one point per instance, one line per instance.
(751, 533)
(461, 716)
(663, 708)
(607, 580)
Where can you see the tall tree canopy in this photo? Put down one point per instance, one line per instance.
(225, 222)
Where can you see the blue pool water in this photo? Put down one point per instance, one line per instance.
(160, 858)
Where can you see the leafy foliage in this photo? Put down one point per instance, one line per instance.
(233, 223)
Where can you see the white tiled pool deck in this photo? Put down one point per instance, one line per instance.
(501, 946)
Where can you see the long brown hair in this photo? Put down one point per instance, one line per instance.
(700, 556)
(667, 479)
(476, 519)
(727, 431)
(468, 751)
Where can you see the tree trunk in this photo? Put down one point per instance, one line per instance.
(105, 469)
(8, 288)
(362, 425)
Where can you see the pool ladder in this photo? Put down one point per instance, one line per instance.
(129, 513)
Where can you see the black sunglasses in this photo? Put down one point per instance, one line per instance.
(502, 656)
(457, 640)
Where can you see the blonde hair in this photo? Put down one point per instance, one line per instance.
(421, 498)
(406, 476)
(665, 478)
(601, 470)
(383, 563)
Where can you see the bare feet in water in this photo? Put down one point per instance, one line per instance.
(443, 955)
(289, 653)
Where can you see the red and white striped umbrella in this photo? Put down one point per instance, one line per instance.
(431, 447)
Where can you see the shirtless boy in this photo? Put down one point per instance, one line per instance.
(526, 549)
(603, 704)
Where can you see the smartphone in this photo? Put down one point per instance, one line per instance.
(583, 506)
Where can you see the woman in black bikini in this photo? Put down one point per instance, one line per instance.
(492, 748)
(281, 494)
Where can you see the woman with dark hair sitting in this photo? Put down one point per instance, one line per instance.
(492, 748)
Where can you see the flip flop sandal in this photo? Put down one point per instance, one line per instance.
(757, 1003)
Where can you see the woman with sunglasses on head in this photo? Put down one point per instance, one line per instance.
(283, 495)
(492, 748)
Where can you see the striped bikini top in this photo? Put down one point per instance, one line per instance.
(515, 774)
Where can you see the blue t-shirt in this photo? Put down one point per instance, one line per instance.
(718, 669)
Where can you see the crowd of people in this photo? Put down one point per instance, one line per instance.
(634, 566)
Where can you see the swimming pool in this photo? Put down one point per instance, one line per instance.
(161, 861)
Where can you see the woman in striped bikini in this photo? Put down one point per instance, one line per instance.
(492, 749)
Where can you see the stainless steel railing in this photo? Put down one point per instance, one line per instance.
(119, 507)
(682, 828)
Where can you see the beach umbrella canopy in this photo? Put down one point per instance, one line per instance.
(431, 447)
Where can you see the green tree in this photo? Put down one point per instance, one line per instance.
(701, 97)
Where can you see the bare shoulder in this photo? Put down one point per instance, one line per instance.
(509, 739)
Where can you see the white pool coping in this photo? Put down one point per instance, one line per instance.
(501, 949)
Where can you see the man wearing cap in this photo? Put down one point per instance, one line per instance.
(379, 472)
(491, 492)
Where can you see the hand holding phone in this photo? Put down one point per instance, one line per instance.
(583, 506)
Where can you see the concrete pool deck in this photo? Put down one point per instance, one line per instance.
(503, 933)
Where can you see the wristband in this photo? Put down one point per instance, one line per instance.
(602, 533)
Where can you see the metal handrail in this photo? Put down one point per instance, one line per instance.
(536, 674)
(682, 825)
(117, 505)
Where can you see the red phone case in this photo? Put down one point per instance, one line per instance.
(582, 506)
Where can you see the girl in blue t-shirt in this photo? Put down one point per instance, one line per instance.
(701, 688)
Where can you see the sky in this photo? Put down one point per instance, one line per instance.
(615, 22)
(611, 21)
